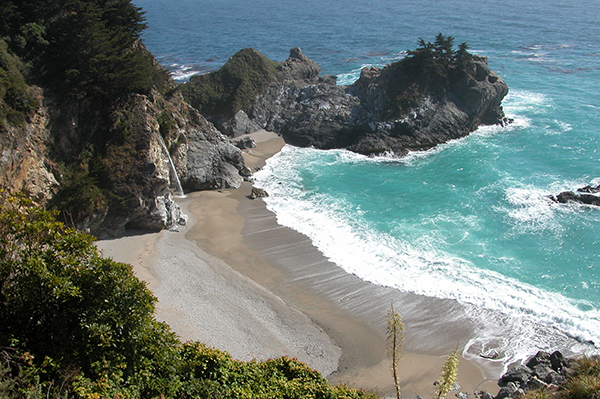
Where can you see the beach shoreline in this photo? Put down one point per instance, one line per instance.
(236, 280)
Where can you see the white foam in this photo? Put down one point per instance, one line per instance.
(183, 73)
(347, 240)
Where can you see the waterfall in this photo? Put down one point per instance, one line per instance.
(178, 188)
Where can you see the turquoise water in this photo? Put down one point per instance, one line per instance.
(469, 220)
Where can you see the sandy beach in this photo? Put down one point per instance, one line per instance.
(238, 281)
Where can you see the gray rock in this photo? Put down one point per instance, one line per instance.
(245, 143)
(542, 371)
(238, 125)
(212, 161)
(298, 67)
(542, 358)
(519, 375)
(309, 112)
(536, 383)
(509, 391)
(258, 193)
(555, 378)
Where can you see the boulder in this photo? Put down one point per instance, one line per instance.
(258, 193)
(483, 395)
(298, 67)
(541, 358)
(519, 375)
(509, 391)
(589, 189)
(245, 143)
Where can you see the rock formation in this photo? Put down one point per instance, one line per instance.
(587, 195)
(131, 182)
(544, 370)
(401, 107)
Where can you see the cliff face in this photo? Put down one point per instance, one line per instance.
(126, 182)
(395, 109)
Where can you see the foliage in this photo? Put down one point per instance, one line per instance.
(17, 99)
(81, 48)
(449, 374)
(395, 338)
(83, 191)
(430, 68)
(438, 60)
(233, 87)
(75, 324)
(585, 381)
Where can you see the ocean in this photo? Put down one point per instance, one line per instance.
(470, 220)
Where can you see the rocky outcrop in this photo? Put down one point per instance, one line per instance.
(394, 109)
(587, 195)
(544, 370)
(24, 162)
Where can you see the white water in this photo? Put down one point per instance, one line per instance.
(173, 176)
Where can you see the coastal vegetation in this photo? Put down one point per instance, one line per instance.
(395, 339)
(431, 67)
(449, 374)
(74, 324)
(233, 87)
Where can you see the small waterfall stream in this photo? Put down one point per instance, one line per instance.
(178, 188)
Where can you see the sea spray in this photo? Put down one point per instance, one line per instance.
(174, 177)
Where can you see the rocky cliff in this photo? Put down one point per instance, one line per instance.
(62, 159)
(413, 104)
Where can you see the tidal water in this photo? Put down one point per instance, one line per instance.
(471, 219)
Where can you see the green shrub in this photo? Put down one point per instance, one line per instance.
(232, 88)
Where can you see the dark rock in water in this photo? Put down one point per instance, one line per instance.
(589, 189)
(519, 375)
(404, 106)
(586, 196)
(258, 193)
